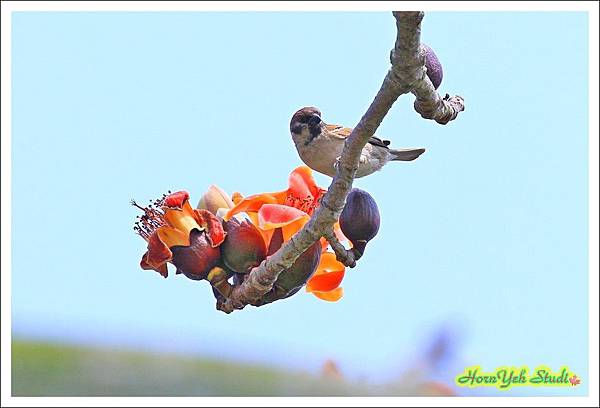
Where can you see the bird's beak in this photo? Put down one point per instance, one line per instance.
(314, 127)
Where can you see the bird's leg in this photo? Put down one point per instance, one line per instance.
(336, 163)
(362, 161)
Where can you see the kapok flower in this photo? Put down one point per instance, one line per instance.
(288, 211)
(188, 238)
(302, 193)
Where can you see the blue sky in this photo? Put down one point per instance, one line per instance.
(485, 233)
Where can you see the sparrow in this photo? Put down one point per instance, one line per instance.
(320, 145)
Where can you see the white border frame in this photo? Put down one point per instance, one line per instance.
(5, 220)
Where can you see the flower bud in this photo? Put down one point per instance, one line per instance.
(196, 260)
(214, 199)
(219, 280)
(291, 280)
(433, 65)
(359, 220)
(244, 247)
(295, 277)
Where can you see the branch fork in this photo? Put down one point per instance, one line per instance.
(407, 75)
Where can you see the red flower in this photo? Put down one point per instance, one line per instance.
(289, 210)
(189, 238)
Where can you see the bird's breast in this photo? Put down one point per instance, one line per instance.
(321, 153)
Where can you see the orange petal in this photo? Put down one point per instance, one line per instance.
(329, 263)
(329, 274)
(158, 253)
(253, 203)
(280, 196)
(182, 218)
(272, 216)
(253, 217)
(267, 235)
(302, 184)
(325, 282)
(236, 197)
(213, 226)
(171, 236)
(290, 229)
(331, 296)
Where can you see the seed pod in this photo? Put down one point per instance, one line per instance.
(197, 259)
(433, 65)
(294, 278)
(359, 220)
(291, 280)
(244, 247)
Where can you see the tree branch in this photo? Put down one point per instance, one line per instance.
(413, 73)
(406, 75)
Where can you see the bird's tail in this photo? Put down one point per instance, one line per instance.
(406, 154)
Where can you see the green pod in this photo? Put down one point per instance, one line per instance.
(244, 247)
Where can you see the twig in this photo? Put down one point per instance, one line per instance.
(428, 103)
(406, 75)
(345, 256)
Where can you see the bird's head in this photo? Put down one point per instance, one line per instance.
(306, 125)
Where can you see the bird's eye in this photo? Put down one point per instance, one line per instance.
(305, 119)
(314, 120)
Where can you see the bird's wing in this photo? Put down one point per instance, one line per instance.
(343, 132)
(375, 141)
(338, 131)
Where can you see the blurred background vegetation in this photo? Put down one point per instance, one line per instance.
(52, 369)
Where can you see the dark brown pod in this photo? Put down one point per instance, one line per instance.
(197, 259)
(294, 278)
(433, 65)
(244, 247)
(359, 219)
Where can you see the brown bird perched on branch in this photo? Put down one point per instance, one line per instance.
(320, 145)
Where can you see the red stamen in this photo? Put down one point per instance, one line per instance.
(306, 204)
